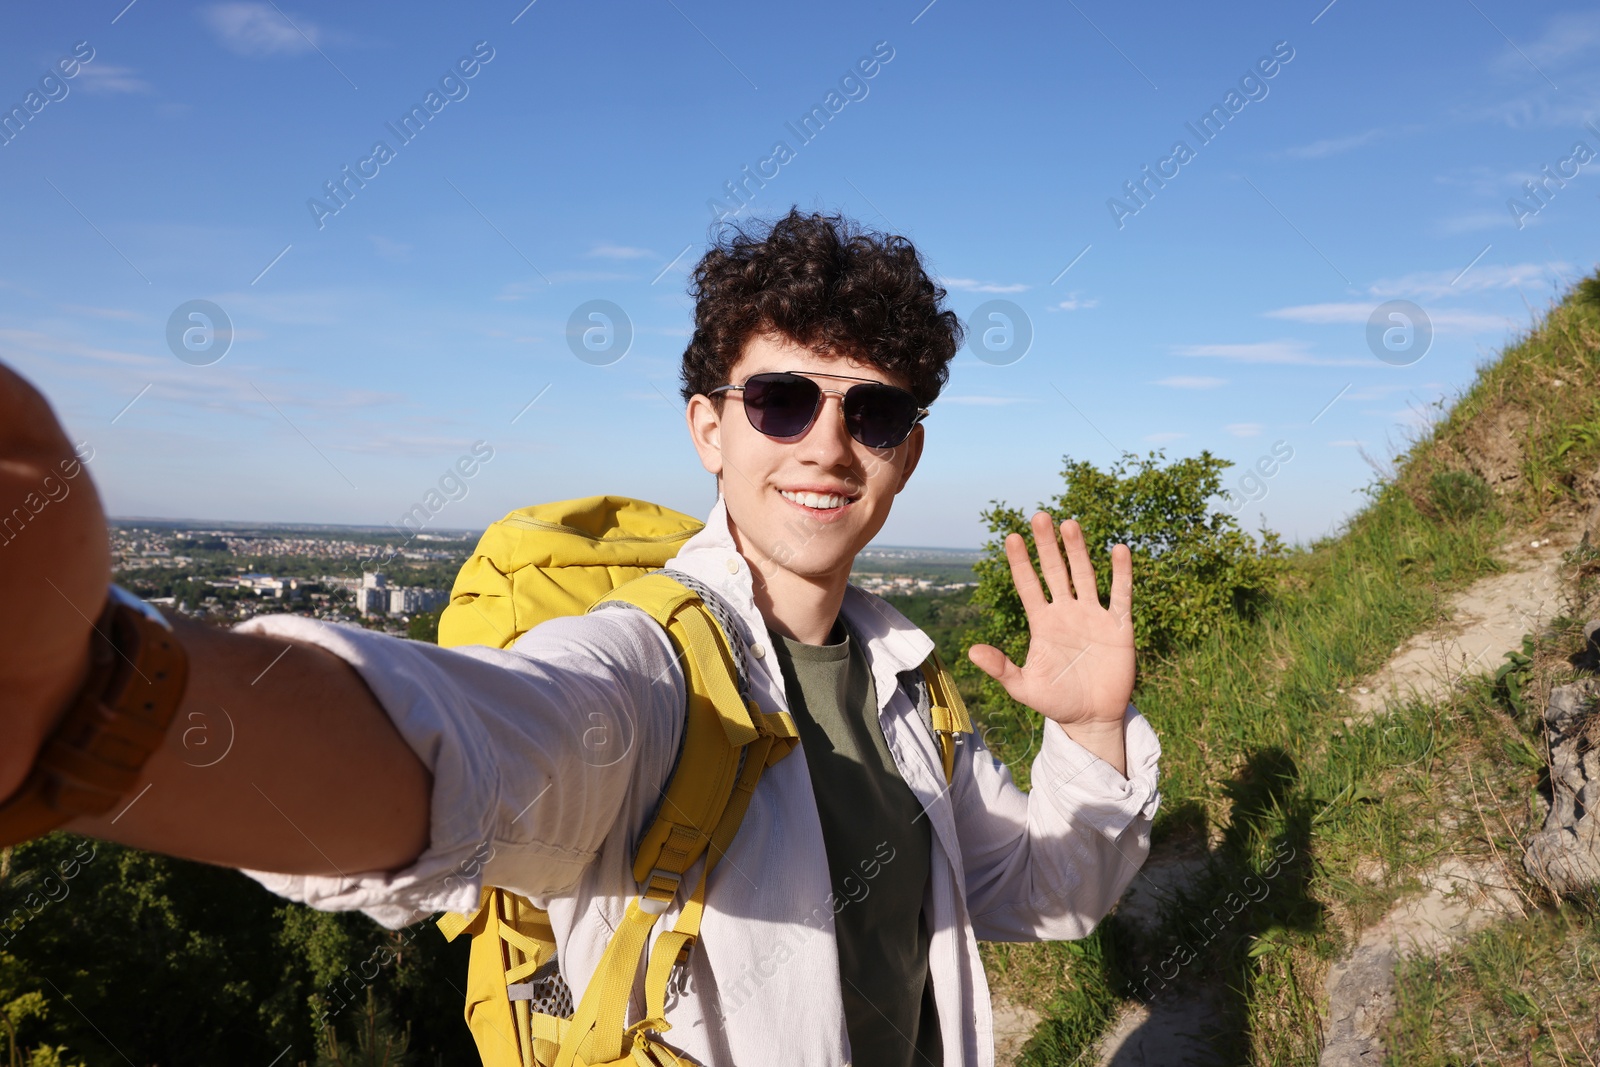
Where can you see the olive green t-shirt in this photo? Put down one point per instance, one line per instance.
(878, 852)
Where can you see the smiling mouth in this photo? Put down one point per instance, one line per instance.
(820, 505)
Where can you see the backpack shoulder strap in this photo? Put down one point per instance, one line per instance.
(947, 711)
(727, 743)
(721, 721)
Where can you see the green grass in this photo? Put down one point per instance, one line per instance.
(1259, 753)
(1522, 992)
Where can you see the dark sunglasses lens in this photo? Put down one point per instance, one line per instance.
(879, 416)
(781, 405)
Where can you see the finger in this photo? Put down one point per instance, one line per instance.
(1022, 574)
(1082, 569)
(996, 664)
(1122, 584)
(1050, 561)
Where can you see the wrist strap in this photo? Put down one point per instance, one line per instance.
(119, 717)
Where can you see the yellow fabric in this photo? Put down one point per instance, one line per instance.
(564, 558)
(556, 559)
(947, 710)
(598, 1024)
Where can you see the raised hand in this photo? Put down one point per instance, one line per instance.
(1080, 663)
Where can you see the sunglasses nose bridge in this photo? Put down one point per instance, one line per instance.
(839, 425)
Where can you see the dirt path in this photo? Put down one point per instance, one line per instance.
(1487, 620)
(1013, 1025)
(1463, 896)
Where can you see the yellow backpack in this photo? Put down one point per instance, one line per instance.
(565, 559)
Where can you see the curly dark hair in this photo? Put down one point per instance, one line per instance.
(825, 283)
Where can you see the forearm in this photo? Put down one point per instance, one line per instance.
(1108, 741)
(279, 759)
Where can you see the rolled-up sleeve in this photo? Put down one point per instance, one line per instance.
(1050, 863)
(532, 750)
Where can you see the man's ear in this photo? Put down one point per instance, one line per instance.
(705, 431)
(914, 444)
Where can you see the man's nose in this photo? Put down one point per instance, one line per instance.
(828, 440)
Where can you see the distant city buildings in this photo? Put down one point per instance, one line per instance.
(376, 596)
(372, 595)
(881, 583)
(412, 600)
(221, 574)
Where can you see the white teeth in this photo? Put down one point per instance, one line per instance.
(820, 501)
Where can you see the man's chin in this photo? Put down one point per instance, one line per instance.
(809, 563)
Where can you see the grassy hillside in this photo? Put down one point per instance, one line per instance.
(1262, 759)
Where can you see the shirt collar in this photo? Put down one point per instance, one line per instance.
(893, 642)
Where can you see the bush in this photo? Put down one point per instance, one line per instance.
(1459, 494)
(1194, 569)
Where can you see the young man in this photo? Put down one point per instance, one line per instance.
(842, 923)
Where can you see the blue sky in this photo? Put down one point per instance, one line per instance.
(376, 339)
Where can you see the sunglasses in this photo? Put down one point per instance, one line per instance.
(785, 404)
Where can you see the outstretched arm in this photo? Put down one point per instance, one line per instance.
(318, 780)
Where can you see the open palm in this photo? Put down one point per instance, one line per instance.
(1079, 667)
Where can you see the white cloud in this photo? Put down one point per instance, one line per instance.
(1322, 314)
(49, 345)
(1378, 392)
(119, 314)
(523, 290)
(1478, 181)
(1074, 303)
(1184, 381)
(1572, 108)
(1245, 429)
(970, 285)
(127, 372)
(1444, 320)
(254, 29)
(1280, 352)
(1482, 276)
(1568, 36)
(1333, 145)
(101, 78)
(605, 251)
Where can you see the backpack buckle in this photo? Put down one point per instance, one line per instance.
(660, 889)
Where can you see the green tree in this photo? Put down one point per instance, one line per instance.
(377, 1042)
(109, 955)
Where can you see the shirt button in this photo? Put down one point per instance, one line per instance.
(758, 650)
(733, 566)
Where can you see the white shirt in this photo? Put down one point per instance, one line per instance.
(549, 758)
